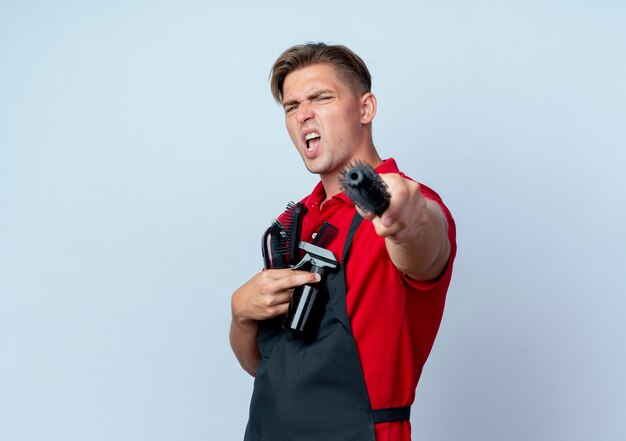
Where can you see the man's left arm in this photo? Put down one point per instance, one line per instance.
(415, 230)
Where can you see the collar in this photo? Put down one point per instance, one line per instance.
(318, 194)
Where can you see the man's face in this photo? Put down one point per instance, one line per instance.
(323, 117)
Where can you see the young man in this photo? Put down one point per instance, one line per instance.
(356, 379)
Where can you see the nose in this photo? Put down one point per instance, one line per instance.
(304, 112)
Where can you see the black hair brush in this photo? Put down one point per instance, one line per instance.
(274, 246)
(280, 242)
(292, 220)
(365, 187)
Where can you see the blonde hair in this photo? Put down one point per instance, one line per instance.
(348, 66)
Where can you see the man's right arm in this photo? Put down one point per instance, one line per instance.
(264, 296)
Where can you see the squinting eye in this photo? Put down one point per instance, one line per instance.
(290, 109)
(324, 98)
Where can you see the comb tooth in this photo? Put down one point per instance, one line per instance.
(287, 217)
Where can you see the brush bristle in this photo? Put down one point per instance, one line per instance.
(365, 187)
(275, 251)
(279, 248)
(292, 219)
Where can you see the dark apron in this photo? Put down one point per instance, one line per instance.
(313, 389)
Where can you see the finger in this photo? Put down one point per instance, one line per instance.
(365, 214)
(385, 231)
(276, 299)
(276, 274)
(297, 278)
(269, 306)
(278, 310)
(399, 192)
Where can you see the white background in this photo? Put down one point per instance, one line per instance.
(142, 156)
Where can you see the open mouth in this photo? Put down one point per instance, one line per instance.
(309, 138)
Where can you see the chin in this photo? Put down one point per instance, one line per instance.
(312, 169)
(315, 166)
(322, 164)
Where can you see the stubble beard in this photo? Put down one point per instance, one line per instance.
(324, 164)
(331, 160)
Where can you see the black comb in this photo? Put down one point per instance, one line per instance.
(325, 235)
(365, 187)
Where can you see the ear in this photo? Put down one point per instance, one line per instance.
(368, 108)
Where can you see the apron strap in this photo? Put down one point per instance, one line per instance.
(391, 414)
(380, 415)
(356, 221)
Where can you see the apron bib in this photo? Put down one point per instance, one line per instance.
(313, 389)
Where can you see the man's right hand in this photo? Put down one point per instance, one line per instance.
(267, 294)
(264, 296)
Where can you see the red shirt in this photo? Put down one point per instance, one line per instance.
(394, 319)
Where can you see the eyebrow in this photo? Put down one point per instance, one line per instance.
(312, 96)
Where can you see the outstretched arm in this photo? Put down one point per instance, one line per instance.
(414, 228)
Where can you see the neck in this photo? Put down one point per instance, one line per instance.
(330, 180)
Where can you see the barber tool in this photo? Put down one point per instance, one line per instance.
(306, 304)
(293, 222)
(365, 187)
(274, 246)
(281, 248)
(279, 243)
(325, 235)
